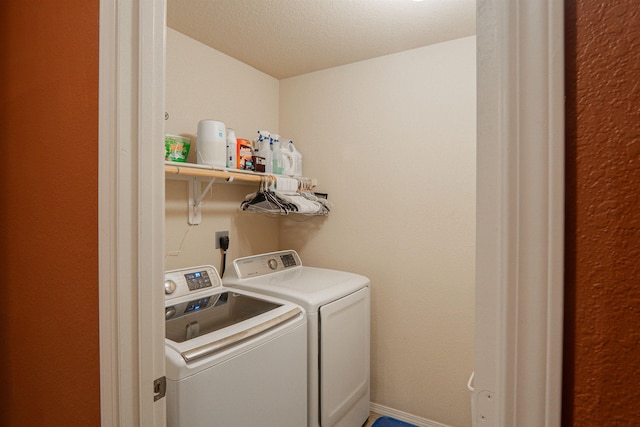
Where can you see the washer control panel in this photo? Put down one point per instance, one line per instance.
(198, 280)
(188, 281)
(273, 262)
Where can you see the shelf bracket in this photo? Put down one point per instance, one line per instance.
(195, 199)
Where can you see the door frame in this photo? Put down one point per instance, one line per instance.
(519, 212)
(131, 211)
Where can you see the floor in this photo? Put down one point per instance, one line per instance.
(372, 417)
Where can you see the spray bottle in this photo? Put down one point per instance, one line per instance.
(264, 150)
(277, 156)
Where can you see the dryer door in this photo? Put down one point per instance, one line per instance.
(344, 360)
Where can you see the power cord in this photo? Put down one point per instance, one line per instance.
(224, 245)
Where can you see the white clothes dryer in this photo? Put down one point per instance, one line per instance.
(337, 304)
(234, 358)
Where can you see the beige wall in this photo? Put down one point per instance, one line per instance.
(202, 83)
(392, 140)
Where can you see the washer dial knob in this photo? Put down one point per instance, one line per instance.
(272, 263)
(169, 287)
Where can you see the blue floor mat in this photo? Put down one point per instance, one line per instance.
(390, 422)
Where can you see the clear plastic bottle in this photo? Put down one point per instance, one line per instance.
(277, 156)
(263, 135)
(263, 149)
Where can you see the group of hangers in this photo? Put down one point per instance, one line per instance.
(282, 196)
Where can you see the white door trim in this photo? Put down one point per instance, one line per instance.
(520, 213)
(131, 211)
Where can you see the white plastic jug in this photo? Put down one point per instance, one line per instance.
(291, 160)
(288, 162)
(297, 156)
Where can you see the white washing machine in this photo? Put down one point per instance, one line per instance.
(338, 317)
(234, 358)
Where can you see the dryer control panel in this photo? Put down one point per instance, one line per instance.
(260, 265)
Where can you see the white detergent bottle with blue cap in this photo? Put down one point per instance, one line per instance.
(297, 159)
(288, 160)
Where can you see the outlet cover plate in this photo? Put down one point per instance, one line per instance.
(220, 234)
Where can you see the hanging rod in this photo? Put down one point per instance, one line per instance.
(201, 175)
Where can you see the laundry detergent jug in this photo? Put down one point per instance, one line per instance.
(291, 160)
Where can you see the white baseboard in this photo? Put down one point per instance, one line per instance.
(403, 416)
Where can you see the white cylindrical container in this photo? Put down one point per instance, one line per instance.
(211, 144)
(232, 149)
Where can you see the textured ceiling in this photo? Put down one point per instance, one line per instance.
(284, 38)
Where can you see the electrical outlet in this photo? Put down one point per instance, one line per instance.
(220, 234)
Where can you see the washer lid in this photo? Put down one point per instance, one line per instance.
(309, 287)
(223, 318)
(205, 314)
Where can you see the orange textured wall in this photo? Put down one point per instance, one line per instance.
(49, 350)
(602, 323)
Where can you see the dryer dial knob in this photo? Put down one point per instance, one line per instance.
(273, 264)
(169, 287)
